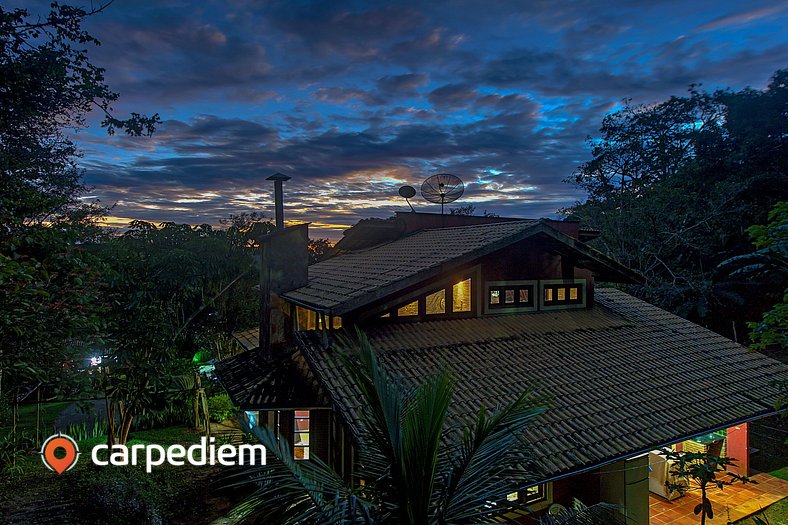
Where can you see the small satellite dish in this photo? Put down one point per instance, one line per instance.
(408, 192)
(442, 189)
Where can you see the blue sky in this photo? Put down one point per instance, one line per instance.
(354, 99)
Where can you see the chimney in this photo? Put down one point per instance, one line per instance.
(278, 179)
(283, 267)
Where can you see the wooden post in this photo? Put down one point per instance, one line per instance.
(38, 415)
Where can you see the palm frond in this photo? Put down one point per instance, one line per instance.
(293, 492)
(474, 483)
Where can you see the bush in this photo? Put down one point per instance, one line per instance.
(121, 495)
(220, 407)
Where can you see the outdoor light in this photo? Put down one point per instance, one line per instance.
(95, 360)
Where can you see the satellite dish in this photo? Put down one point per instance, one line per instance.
(442, 188)
(408, 192)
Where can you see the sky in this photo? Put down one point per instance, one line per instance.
(355, 99)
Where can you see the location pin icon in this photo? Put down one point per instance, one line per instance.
(69, 456)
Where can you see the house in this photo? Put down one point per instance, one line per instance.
(506, 304)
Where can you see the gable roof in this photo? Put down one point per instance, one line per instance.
(347, 282)
(625, 376)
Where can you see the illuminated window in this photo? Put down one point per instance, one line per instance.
(514, 297)
(461, 296)
(534, 494)
(385, 316)
(436, 303)
(409, 310)
(301, 434)
(336, 323)
(557, 293)
(530, 495)
(306, 319)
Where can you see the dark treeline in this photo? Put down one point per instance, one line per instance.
(688, 192)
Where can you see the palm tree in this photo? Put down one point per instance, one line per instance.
(408, 472)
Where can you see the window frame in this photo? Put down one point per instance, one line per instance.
(308, 432)
(542, 501)
(447, 285)
(502, 308)
(566, 304)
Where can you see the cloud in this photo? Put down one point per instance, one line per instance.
(743, 17)
(352, 99)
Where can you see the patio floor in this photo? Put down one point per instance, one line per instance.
(734, 503)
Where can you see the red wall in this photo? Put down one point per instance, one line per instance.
(738, 447)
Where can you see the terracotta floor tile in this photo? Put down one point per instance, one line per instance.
(734, 502)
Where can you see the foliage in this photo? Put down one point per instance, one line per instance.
(220, 407)
(131, 496)
(82, 431)
(410, 476)
(170, 286)
(51, 280)
(469, 209)
(769, 265)
(672, 187)
(49, 84)
(318, 249)
(702, 469)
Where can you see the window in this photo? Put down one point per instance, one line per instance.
(301, 434)
(563, 293)
(461, 296)
(530, 496)
(514, 296)
(409, 309)
(306, 319)
(534, 494)
(436, 303)
(454, 298)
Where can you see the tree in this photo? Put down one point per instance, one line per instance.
(413, 475)
(169, 285)
(704, 470)
(318, 249)
(470, 209)
(48, 85)
(673, 186)
(767, 267)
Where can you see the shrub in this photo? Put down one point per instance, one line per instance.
(220, 407)
(121, 495)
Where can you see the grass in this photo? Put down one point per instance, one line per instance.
(781, 473)
(775, 514)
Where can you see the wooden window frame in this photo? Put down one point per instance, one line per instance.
(420, 295)
(566, 304)
(517, 306)
(307, 448)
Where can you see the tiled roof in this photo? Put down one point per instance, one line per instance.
(625, 376)
(254, 382)
(347, 282)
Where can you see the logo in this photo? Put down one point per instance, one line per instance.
(59, 453)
